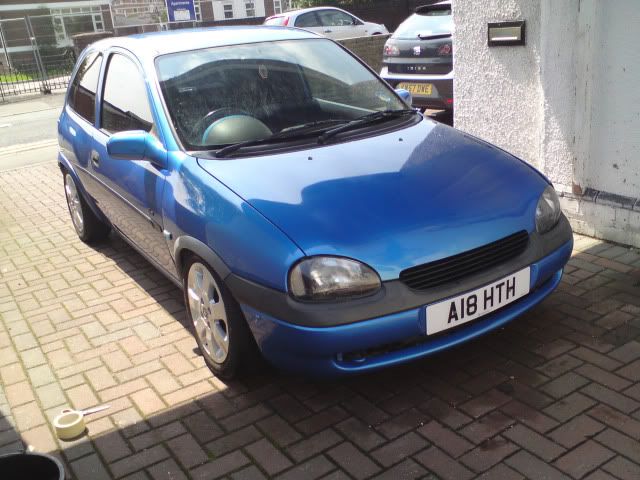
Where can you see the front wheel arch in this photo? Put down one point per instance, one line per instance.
(186, 246)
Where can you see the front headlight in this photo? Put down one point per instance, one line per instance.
(331, 278)
(547, 210)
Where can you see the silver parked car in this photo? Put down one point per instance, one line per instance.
(331, 22)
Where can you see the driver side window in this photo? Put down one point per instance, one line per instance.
(125, 105)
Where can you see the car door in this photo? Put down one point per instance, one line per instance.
(130, 191)
(77, 124)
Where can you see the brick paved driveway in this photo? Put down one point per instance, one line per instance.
(556, 394)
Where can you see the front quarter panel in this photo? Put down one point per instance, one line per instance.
(199, 206)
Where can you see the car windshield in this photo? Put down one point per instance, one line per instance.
(434, 20)
(243, 93)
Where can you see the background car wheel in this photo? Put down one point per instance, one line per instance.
(222, 334)
(88, 226)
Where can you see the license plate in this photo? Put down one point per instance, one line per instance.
(469, 306)
(418, 88)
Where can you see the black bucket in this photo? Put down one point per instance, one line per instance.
(32, 466)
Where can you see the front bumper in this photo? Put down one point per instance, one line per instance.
(390, 338)
(443, 84)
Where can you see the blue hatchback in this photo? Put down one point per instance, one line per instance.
(304, 209)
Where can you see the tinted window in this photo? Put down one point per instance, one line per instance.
(82, 92)
(429, 21)
(335, 18)
(125, 104)
(307, 20)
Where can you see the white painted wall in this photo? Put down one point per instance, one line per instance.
(568, 102)
(497, 90)
(612, 163)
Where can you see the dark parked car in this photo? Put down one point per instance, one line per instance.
(418, 57)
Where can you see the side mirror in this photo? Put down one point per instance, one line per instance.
(136, 145)
(405, 95)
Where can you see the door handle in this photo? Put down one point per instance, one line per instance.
(95, 159)
(327, 31)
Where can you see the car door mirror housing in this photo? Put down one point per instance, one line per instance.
(136, 145)
(405, 95)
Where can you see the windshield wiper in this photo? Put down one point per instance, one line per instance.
(296, 131)
(359, 122)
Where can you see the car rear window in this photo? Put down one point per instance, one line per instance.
(433, 20)
(279, 21)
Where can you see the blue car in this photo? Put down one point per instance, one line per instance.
(306, 212)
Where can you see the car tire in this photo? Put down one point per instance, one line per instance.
(217, 322)
(86, 223)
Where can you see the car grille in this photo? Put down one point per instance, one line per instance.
(452, 268)
(420, 69)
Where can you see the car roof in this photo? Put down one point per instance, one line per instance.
(300, 11)
(160, 43)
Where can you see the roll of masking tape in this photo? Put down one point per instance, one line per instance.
(69, 424)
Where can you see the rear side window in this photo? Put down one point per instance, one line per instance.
(125, 105)
(307, 20)
(82, 92)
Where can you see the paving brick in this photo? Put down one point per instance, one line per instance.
(314, 444)
(449, 441)
(529, 416)
(486, 427)
(268, 457)
(360, 433)
(576, 430)
(488, 453)
(611, 398)
(568, 407)
(138, 461)
(622, 444)
(90, 467)
(166, 470)
(565, 384)
(402, 423)
(352, 460)
(311, 469)
(187, 451)
(622, 468)
(233, 440)
(583, 459)
(220, 466)
(442, 465)
(501, 472)
(533, 442)
(532, 467)
(147, 401)
(248, 473)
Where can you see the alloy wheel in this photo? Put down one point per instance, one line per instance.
(73, 200)
(208, 312)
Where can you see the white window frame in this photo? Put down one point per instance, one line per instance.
(250, 6)
(277, 6)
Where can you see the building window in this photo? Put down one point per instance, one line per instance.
(198, 10)
(228, 10)
(251, 9)
(70, 21)
(277, 6)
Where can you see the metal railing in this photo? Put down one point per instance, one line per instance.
(32, 58)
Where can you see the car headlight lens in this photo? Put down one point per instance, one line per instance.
(331, 278)
(548, 210)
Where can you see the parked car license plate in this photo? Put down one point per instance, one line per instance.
(469, 306)
(417, 88)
